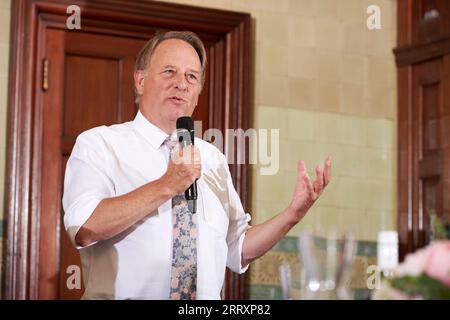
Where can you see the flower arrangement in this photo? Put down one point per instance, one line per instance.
(425, 274)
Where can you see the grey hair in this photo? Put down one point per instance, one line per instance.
(144, 56)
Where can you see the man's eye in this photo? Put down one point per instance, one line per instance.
(169, 71)
(192, 77)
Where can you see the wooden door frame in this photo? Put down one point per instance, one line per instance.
(409, 54)
(24, 132)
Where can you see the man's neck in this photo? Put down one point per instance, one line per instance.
(168, 128)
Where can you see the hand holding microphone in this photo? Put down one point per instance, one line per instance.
(185, 165)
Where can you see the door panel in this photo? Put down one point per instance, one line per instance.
(428, 107)
(424, 124)
(91, 93)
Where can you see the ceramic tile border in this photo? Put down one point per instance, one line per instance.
(289, 244)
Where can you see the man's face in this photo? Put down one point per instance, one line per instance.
(171, 84)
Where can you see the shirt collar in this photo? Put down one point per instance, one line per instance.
(149, 131)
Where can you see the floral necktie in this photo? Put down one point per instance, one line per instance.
(183, 285)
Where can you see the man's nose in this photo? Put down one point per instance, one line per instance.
(180, 82)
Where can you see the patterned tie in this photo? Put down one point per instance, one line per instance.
(183, 285)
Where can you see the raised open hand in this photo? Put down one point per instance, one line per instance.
(307, 192)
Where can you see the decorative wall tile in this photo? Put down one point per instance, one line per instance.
(264, 282)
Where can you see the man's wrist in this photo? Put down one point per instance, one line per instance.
(293, 216)
(167, 188)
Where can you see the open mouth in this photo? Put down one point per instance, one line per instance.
(177, 99)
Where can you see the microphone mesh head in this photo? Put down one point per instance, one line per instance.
(185, 123)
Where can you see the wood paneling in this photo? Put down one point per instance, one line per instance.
(423, 96)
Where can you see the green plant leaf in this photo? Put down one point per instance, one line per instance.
(421, 286)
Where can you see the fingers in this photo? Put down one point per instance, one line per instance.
(187, 162)
(184, 168)
(327, 171)
(188, 155)
(319, 182)
(302, 174)
(192, 155)
(322, 176)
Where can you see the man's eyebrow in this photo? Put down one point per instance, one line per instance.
(174, 67)
(169, 66)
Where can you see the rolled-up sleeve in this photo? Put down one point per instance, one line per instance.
(86, 182)
(237, 228)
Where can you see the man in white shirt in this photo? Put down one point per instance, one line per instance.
(120, 181)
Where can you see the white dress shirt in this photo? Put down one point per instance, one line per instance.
(135, 264)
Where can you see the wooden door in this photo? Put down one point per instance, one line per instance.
(90, 83)
(82, 79)
(423, 60)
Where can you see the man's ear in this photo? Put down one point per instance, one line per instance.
(139, 77)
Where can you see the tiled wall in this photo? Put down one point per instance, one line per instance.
(5, 13)
(328, 83)
(361, 195)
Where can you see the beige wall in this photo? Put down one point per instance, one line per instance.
(328, 83)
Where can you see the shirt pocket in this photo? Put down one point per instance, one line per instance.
(212, 211)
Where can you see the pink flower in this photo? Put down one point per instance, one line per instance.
(414, 263)
(438, 262)
(433, 260)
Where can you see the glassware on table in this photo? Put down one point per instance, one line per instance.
(327, 266)
(290, 274)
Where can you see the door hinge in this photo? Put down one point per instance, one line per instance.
(45, 63)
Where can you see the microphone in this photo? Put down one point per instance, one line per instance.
(185, 133)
